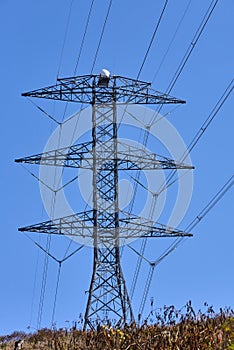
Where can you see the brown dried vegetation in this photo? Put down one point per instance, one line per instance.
(168, 330)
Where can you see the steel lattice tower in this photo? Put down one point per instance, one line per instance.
(105, 223)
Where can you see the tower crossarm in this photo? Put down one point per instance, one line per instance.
(150, 161)
(70, 157)
(79, 224)
(124, 90)
(133, 226)
(80, 156)
(138, 229)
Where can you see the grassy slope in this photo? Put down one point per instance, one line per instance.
(171, 331)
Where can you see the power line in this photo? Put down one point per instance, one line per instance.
(101, 36)
(215, 199)
(172, 40)
(80, 50)
(174, 80)
(45, 268)
(47, 250)
(49, 238)
(152, 38)
(56, 293)
(65, 37)
(200, 132)
(43, 285)
(60, 262)
(189, 50)
(146, 289)
(218, 196)
(168, 182)
(182, 64)
(211, 116)
(192, 45)
(34, 288)
(142, 250)
(84, 35)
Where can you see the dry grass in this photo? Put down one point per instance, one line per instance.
(171, 330)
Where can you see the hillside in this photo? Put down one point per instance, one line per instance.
(170, 330)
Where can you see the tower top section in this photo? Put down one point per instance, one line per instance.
(102, 89)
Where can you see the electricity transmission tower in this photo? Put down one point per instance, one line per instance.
(105, 224)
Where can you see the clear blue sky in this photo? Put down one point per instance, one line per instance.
(32, 35)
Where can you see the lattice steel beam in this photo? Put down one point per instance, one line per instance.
(82, 225)
(81, 156)
(70, 157)
(124, 90)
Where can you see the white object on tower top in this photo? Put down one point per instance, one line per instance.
(105, 73)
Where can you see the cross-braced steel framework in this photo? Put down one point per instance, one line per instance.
(105, 156)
